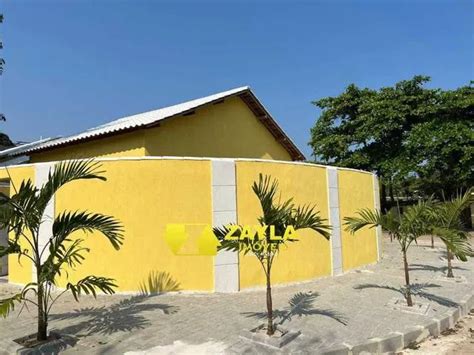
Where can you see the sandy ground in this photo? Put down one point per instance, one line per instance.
(458, 341)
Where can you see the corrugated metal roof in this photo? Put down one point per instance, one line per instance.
(151, 118)
(21, 148)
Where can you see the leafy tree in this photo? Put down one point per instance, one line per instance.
(278, 219)
(400, 132)
(447, 224)
(406, 228)
(5, 141)
(22, 215)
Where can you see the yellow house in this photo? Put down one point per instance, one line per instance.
(230, 124)
(193, 164)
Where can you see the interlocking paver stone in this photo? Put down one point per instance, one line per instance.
(351, 308)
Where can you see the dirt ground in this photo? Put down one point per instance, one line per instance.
(457, 341)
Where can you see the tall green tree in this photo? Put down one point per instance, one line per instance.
(277, 217)
(23, 213)
(400, 132)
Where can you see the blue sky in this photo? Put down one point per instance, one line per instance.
(72, 65)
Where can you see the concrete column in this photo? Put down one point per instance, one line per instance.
(378, 230)
(224, 211)
(334, 220)
(46, 227)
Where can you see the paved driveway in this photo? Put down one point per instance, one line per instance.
(348, 308)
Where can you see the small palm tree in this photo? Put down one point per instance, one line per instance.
(405, 228)
(447, 224)
(277, 218)
(22, 215)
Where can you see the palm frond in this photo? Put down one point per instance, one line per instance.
(69, 222)
(365, 218)
(416, 219)
(306, 216)
(457, 241)
(65, 172)
(21, 211)
(7, 305)
(228, 244)
(71, 254)
(89, 286)
(273, 212)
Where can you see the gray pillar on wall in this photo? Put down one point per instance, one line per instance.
(334, 220)
(378, 230)
(46, 227)
(224, 211)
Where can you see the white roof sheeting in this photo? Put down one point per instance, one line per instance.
(21, 148)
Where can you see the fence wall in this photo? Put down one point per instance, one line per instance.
(146, 194)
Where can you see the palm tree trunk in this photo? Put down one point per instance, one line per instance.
(407, 280)
(450, 266)
(42, 333)
(270, 329)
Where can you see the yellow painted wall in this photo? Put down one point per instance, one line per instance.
(123, 145)
(145, 196)
(356, 191)
(18, 272)
(303, 260)
(228, 130)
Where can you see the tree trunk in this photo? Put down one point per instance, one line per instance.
(270, 329)
(392, 196)
(42, 316)
(407, 280)
(450, 267)
(383, 198)
(432, 242)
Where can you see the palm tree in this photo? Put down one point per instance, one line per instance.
(277, 219)
(447, 224)
(22, 215)
(405, 228)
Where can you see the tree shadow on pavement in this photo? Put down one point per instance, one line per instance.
(301, 304)
(415, 267)
(417, 289)
(123, 316)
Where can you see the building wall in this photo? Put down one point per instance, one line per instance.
(225, 130)
(304, 260)
(148, 194)
(144, 196)
(356, 191)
